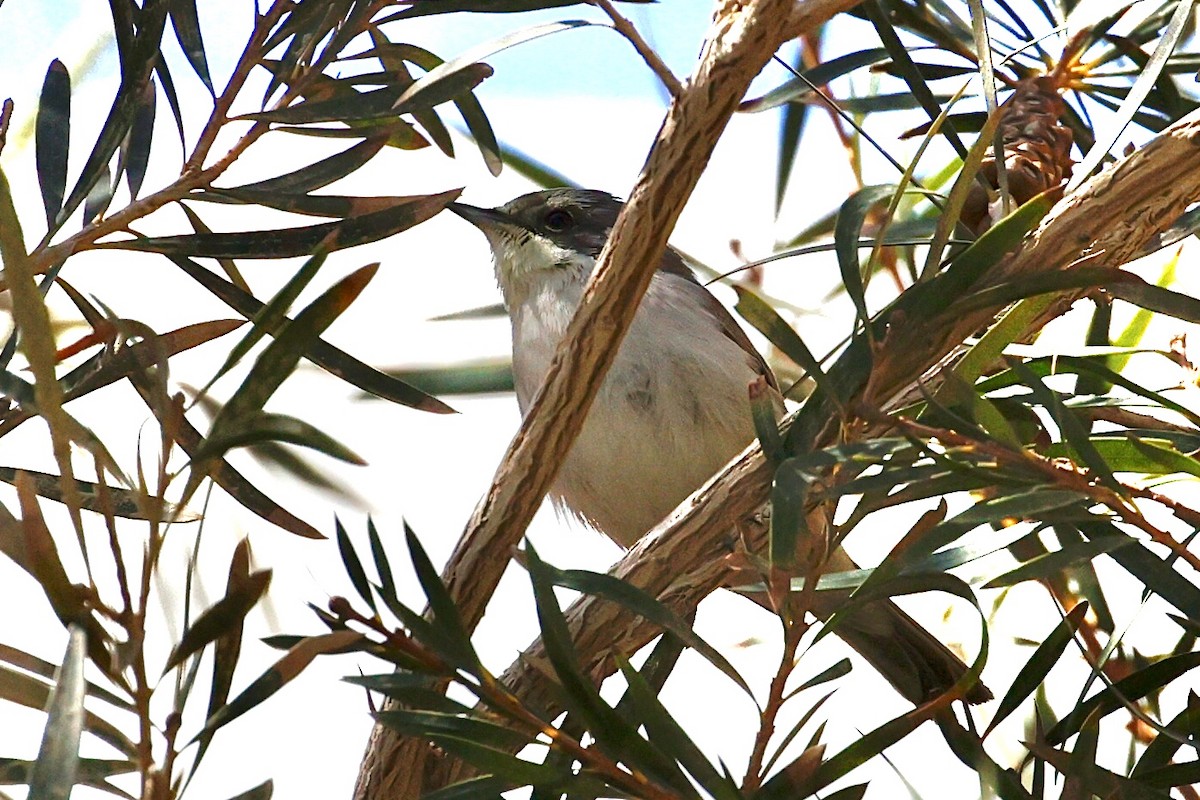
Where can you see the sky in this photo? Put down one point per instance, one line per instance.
(592, 116)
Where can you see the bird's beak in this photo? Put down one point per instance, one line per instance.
(482, 218)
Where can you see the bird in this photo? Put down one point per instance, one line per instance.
(673, 408)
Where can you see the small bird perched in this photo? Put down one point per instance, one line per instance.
(673, 408)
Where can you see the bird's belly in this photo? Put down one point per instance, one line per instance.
(635, 460)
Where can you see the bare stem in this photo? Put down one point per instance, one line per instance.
(624, 27)
(251, 57)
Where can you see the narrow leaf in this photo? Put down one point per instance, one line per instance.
(354, 567)
(54, 772)
(275, 678)
(321, 353)
(135, 153)
(294, 241)
(52, 134)
(846, 232)
(1047, 654)
(323, 172)
(186, 23)
(221, 618)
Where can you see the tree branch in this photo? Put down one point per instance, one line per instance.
(682, 560)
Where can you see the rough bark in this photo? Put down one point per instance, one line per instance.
(744, 36)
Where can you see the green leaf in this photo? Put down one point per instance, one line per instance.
(1072, 429)
(797, 88)
(1131, 453)
(224, 475)
(168, 87)
(1184, 774)
(515, 771)
(54, 773)
(1083, 775)
(52, 135)
(994, 780)
(101, 498)
(1155, 298)
(456, 640)
(1002, 294)
(1153, 572)
(645, 605)
(529, 167)
(675, 742)
(767, 321)
(875, 742)
(222, 618)
(272, 316)
(321, 353)
(435, 726)
(874, 12)
(261, 428)
(290, 242)
(791, 130)
(789, 520)
(186, 23)
(135, 150)
(280, 674)
(138, 57)
(228, 646)
(387, 585)
(1053, 564)
(1163, 749)
(1072, 364)
(280, 357)
(485, 376)
(313, 205)
(1047, 654)
(969, 122)
(411, 689)
(846, 232)
(354, 567)
(261, 792)
(321, 173)
(1145, 681)
(613, 734)
(996, 242)
(468, 105)
(431, 82)
(242, 415)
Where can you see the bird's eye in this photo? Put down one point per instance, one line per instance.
(558, 220)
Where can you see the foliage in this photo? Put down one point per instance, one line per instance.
(1052, 457)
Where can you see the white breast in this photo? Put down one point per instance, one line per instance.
(673, 408)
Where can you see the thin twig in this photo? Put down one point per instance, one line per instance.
(624, 27)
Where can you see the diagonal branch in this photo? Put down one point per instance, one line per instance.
(682, 561)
